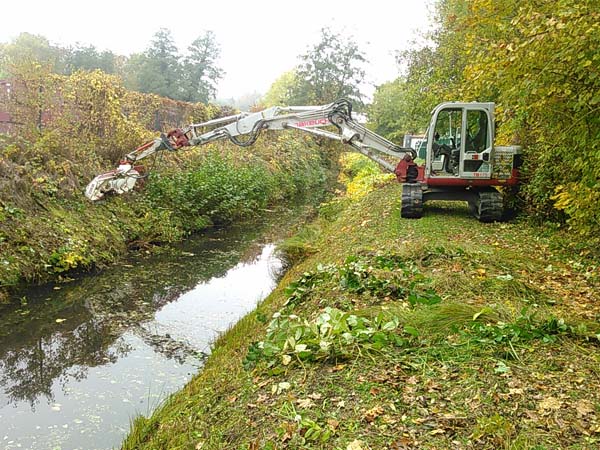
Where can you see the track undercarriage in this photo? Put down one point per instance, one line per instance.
(485, 203)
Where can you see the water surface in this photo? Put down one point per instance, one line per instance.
(78, 360)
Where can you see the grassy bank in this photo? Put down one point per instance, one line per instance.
(49, 235)
(393, 333)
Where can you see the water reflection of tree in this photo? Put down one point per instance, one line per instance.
(60, 334)
(33, 363)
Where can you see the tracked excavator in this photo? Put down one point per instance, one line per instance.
(461, 161)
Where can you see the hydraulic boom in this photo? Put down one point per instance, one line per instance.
(243, 129)
(458, 159)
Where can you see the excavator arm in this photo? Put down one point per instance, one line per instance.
(243, 130)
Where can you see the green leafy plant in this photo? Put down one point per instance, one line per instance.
(333, 334)
(523, 328)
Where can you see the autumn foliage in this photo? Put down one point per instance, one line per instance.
(66, 129)
(539, 62)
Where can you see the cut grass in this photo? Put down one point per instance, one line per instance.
(490, 367)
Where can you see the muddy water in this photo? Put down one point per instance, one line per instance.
(78, 360)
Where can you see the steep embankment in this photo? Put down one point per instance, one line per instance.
(392, 333)
(69, 129)
(216, 185)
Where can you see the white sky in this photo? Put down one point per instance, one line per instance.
(259, 39)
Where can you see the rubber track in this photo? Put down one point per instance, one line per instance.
(489, 206)
(412, 201)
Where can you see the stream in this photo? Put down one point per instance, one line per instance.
(79, 360)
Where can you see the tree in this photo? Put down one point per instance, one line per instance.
(3, 72)
(331, 69)
(538, 61)
(283, 90)
(29, 48)
(159, 71)
(89, 58)
(200, 71)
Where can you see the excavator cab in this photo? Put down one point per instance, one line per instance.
(461, 137)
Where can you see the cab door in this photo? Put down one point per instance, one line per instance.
(476, 143)
(460, 141)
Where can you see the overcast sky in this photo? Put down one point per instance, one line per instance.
(259, 39)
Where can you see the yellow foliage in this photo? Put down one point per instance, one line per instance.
(361, 175)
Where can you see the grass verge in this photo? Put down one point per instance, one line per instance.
(394, 334)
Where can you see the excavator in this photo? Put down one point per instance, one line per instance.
(461, 163)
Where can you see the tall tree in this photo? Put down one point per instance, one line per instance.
(30, 47)
(283, 91)
(200, 70)
(331, 69)
(159, 71)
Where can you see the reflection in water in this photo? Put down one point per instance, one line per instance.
(76, 363)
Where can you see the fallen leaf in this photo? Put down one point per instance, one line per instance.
(262, 383)
(60, 320)
(333, 424)
(507, 277)
(389, 419)
(584, 407)
(550, 404)
(337, 368)
(403, 443)
(305, 403)
(280, 387)
(355, 445)
(373, 414)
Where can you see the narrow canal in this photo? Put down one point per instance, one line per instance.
(79, 360)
